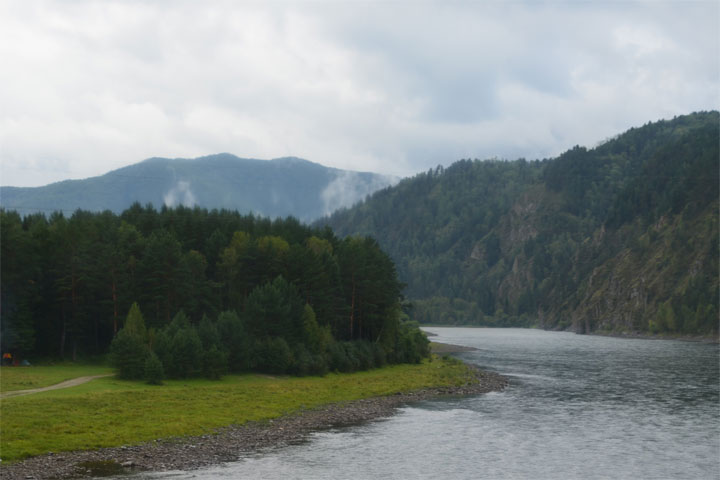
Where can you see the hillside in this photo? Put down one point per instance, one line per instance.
(276, 188)
(622, 237)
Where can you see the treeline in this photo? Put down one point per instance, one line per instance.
(215, 291)
(620, 237)
(213, 347)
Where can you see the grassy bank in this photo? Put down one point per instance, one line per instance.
(25, 378)
(109, 412)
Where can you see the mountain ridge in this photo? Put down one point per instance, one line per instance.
(596, 240)
(285, 186)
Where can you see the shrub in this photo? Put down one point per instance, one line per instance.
(128, 354)
(272, 355)
(214, 363)
(412, 345)
(302, 364)
(234, 340)
(338, 360)
(162, 347)
(208, 333)
(379, 356)
(364, 354)
(186, 351)
(318, 365)
(154, 372)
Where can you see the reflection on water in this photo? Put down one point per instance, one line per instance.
(577, 407)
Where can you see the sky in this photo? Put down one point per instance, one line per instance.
(389, 87)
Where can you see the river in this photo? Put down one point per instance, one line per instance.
(578, 407)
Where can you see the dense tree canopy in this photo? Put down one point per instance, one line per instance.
(206, 291)
(611, 238)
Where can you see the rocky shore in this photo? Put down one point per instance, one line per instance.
(231, 443)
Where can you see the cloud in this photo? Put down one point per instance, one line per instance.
(86, 87)
(180, 194)
(348, 188)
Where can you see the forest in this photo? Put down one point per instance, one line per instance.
(184, 292)
(621, 237)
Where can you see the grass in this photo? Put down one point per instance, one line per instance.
(110, 412)
(24, 378)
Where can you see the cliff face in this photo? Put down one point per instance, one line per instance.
(653, 284)
(623, 237)
(621, 278)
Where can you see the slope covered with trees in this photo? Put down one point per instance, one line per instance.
(622, 237)
(205, 291)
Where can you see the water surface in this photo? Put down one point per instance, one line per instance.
(578, 407)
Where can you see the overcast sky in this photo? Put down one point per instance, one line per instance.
(390, 87)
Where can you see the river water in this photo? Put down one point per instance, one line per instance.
(578, 407)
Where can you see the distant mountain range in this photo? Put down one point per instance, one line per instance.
(272, 188)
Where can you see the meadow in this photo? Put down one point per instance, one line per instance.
(25, 378)
(110, 412)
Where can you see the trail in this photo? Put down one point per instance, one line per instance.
(66, 384)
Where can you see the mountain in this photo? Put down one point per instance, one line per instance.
(276, 188)
(619, 238)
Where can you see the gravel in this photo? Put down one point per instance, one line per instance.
(230, 443)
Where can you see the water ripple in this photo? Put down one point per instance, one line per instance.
(578, 407)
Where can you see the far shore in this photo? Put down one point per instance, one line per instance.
(638, 335)
(235, 442)
(445, 348)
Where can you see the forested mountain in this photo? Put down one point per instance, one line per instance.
(622, 237)
(206, 291)
(276, 188)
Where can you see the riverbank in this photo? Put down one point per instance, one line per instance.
(445, 348)
(232, 443)
(660, 336)
(705, 338)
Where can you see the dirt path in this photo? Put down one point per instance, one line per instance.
(66, 384)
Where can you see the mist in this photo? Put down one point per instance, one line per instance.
(180, 194)
(348, 188)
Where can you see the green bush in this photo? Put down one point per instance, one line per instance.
(162, 346)
(128, 354)
(186, 353)
(208, 333)
(364, 355)
(412, 345)
(379, 356)
(318, 365)
(352, 356)
(302, 364)
(154, 372)
(234, 340)
(215, 363)
(338, 360)
(272, 355)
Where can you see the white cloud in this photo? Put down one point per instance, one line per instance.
(348, 188)
(180, 194)
(395, 88)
